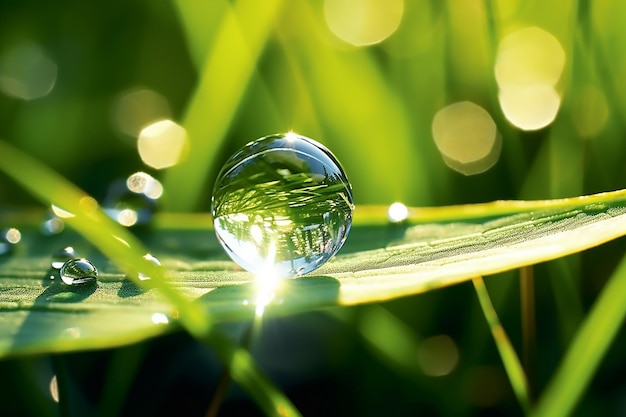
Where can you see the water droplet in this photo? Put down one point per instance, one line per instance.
(282, 204)
(8, 239)
(63, 255)
(152, 259)
(78, 271)
(126, 206)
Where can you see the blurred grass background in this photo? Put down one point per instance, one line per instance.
(232, 71)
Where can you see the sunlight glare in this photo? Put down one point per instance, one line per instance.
(363, 22)
(267, 283)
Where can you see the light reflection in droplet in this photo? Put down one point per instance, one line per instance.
(54, 389)
(530, 108)
(162, 144)
(529, 64)
(397, 212)
(438, 355)
(267, 284)
(467, 137)
(363, 22)
(137, 108)
(590, 112)
(26, 72)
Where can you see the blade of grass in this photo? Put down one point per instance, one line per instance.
(240, 39)
(587, 350)
(127, 252)
(511, 362)
(373, 214)
(243, 369)
(88, 219)
(527, 295)
(357, 120)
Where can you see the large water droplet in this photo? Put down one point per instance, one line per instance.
(63, 255)
(78, 271)
(282, 204)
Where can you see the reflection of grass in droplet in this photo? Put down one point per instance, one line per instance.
(271, 196)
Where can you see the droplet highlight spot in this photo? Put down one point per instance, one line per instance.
(283, 204)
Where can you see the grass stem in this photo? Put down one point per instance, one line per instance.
(527, 295)
(511, 362)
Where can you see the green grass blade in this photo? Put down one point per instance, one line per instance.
(124, 324)
(511, 362)
(224, 77)
(379, 261)
(587, 350)
(117, 243)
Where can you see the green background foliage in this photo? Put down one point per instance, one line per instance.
(233, 71)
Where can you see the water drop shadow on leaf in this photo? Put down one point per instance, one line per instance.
(282, 203)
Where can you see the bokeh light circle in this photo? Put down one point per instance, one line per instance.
(363, 22)
(467, 137)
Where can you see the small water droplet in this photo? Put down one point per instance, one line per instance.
(282, 203)
(78, 271)
(63, 255)
(152, 259)
(8, 239)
